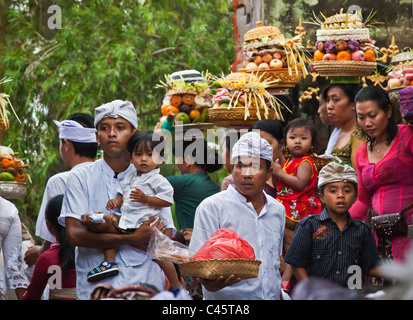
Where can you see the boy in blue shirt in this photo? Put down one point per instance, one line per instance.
(328, 244)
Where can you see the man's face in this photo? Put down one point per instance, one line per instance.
(250, 175)
(113, 135)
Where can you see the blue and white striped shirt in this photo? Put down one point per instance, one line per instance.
(319, 246)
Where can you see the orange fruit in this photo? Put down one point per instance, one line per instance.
(318, 55)
(343, 55)
(163, 109)
(194, 113)
(176, 100)
(173, 109)
(370, 55)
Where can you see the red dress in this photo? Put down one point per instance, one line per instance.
(299, 204)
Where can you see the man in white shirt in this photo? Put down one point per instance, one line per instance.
(255, 216)
(78, 147)
(89, 189)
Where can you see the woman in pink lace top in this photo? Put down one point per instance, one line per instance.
(384, 163)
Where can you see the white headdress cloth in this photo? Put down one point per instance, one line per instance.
(253, 146)
(116, 109)
(74, 131)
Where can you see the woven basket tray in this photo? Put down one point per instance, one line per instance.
(12, 190)
(394, 96)
(235, 116)
(331, 68)
(212, 269)
(286, 80)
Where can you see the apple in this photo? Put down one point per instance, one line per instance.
(263, 66)
(252, 67)
(267, 58)
(276, 63)
(277, 56)
(394, 83)
(329, 56)
(183, 117)
(358, 56)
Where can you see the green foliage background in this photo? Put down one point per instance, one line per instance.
(105, 50)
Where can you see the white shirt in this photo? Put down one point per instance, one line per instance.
(89, 189)
(264, 232)
(55, 185)
(152, 184)
(332, 141)
(13, 276)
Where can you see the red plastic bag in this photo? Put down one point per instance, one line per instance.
(225, 244)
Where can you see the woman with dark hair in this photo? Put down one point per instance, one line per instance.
(56, 264)
(194, 160)
(384, 163)
(340, 110)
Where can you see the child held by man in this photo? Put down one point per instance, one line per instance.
(141, 195)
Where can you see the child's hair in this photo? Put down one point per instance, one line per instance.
(147, 139)
(66, 251)
(303, 123)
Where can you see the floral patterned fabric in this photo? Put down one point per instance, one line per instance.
(299, 204)
(13, 276)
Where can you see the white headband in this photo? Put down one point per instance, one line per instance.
(253, 146)
(74, 131)
(116, 109)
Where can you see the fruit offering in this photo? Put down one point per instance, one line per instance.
(268, 51)
(242, 98)
(11, 167)
(401, 74)
(188, 96)
(344, 47)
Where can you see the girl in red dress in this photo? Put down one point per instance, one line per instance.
(297, 179)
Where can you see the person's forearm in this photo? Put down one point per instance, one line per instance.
(293, 181)
(78, 235)
(300, 273)
(156, 202)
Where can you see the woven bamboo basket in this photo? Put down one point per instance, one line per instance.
(235, 116)
(212, 269)
(394, 96)
(351, 68)
(4, 127)
(282, 74)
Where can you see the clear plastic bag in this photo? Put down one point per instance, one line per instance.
(161, 247)
(225, 244)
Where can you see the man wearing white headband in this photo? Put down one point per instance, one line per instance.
(255, 216)
(89, 189)
(78, 147)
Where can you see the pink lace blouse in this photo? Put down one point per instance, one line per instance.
(388, 184)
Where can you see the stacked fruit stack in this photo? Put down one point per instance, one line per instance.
(400, 76)
(11, 167)
(13, 176)
(188, 96)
